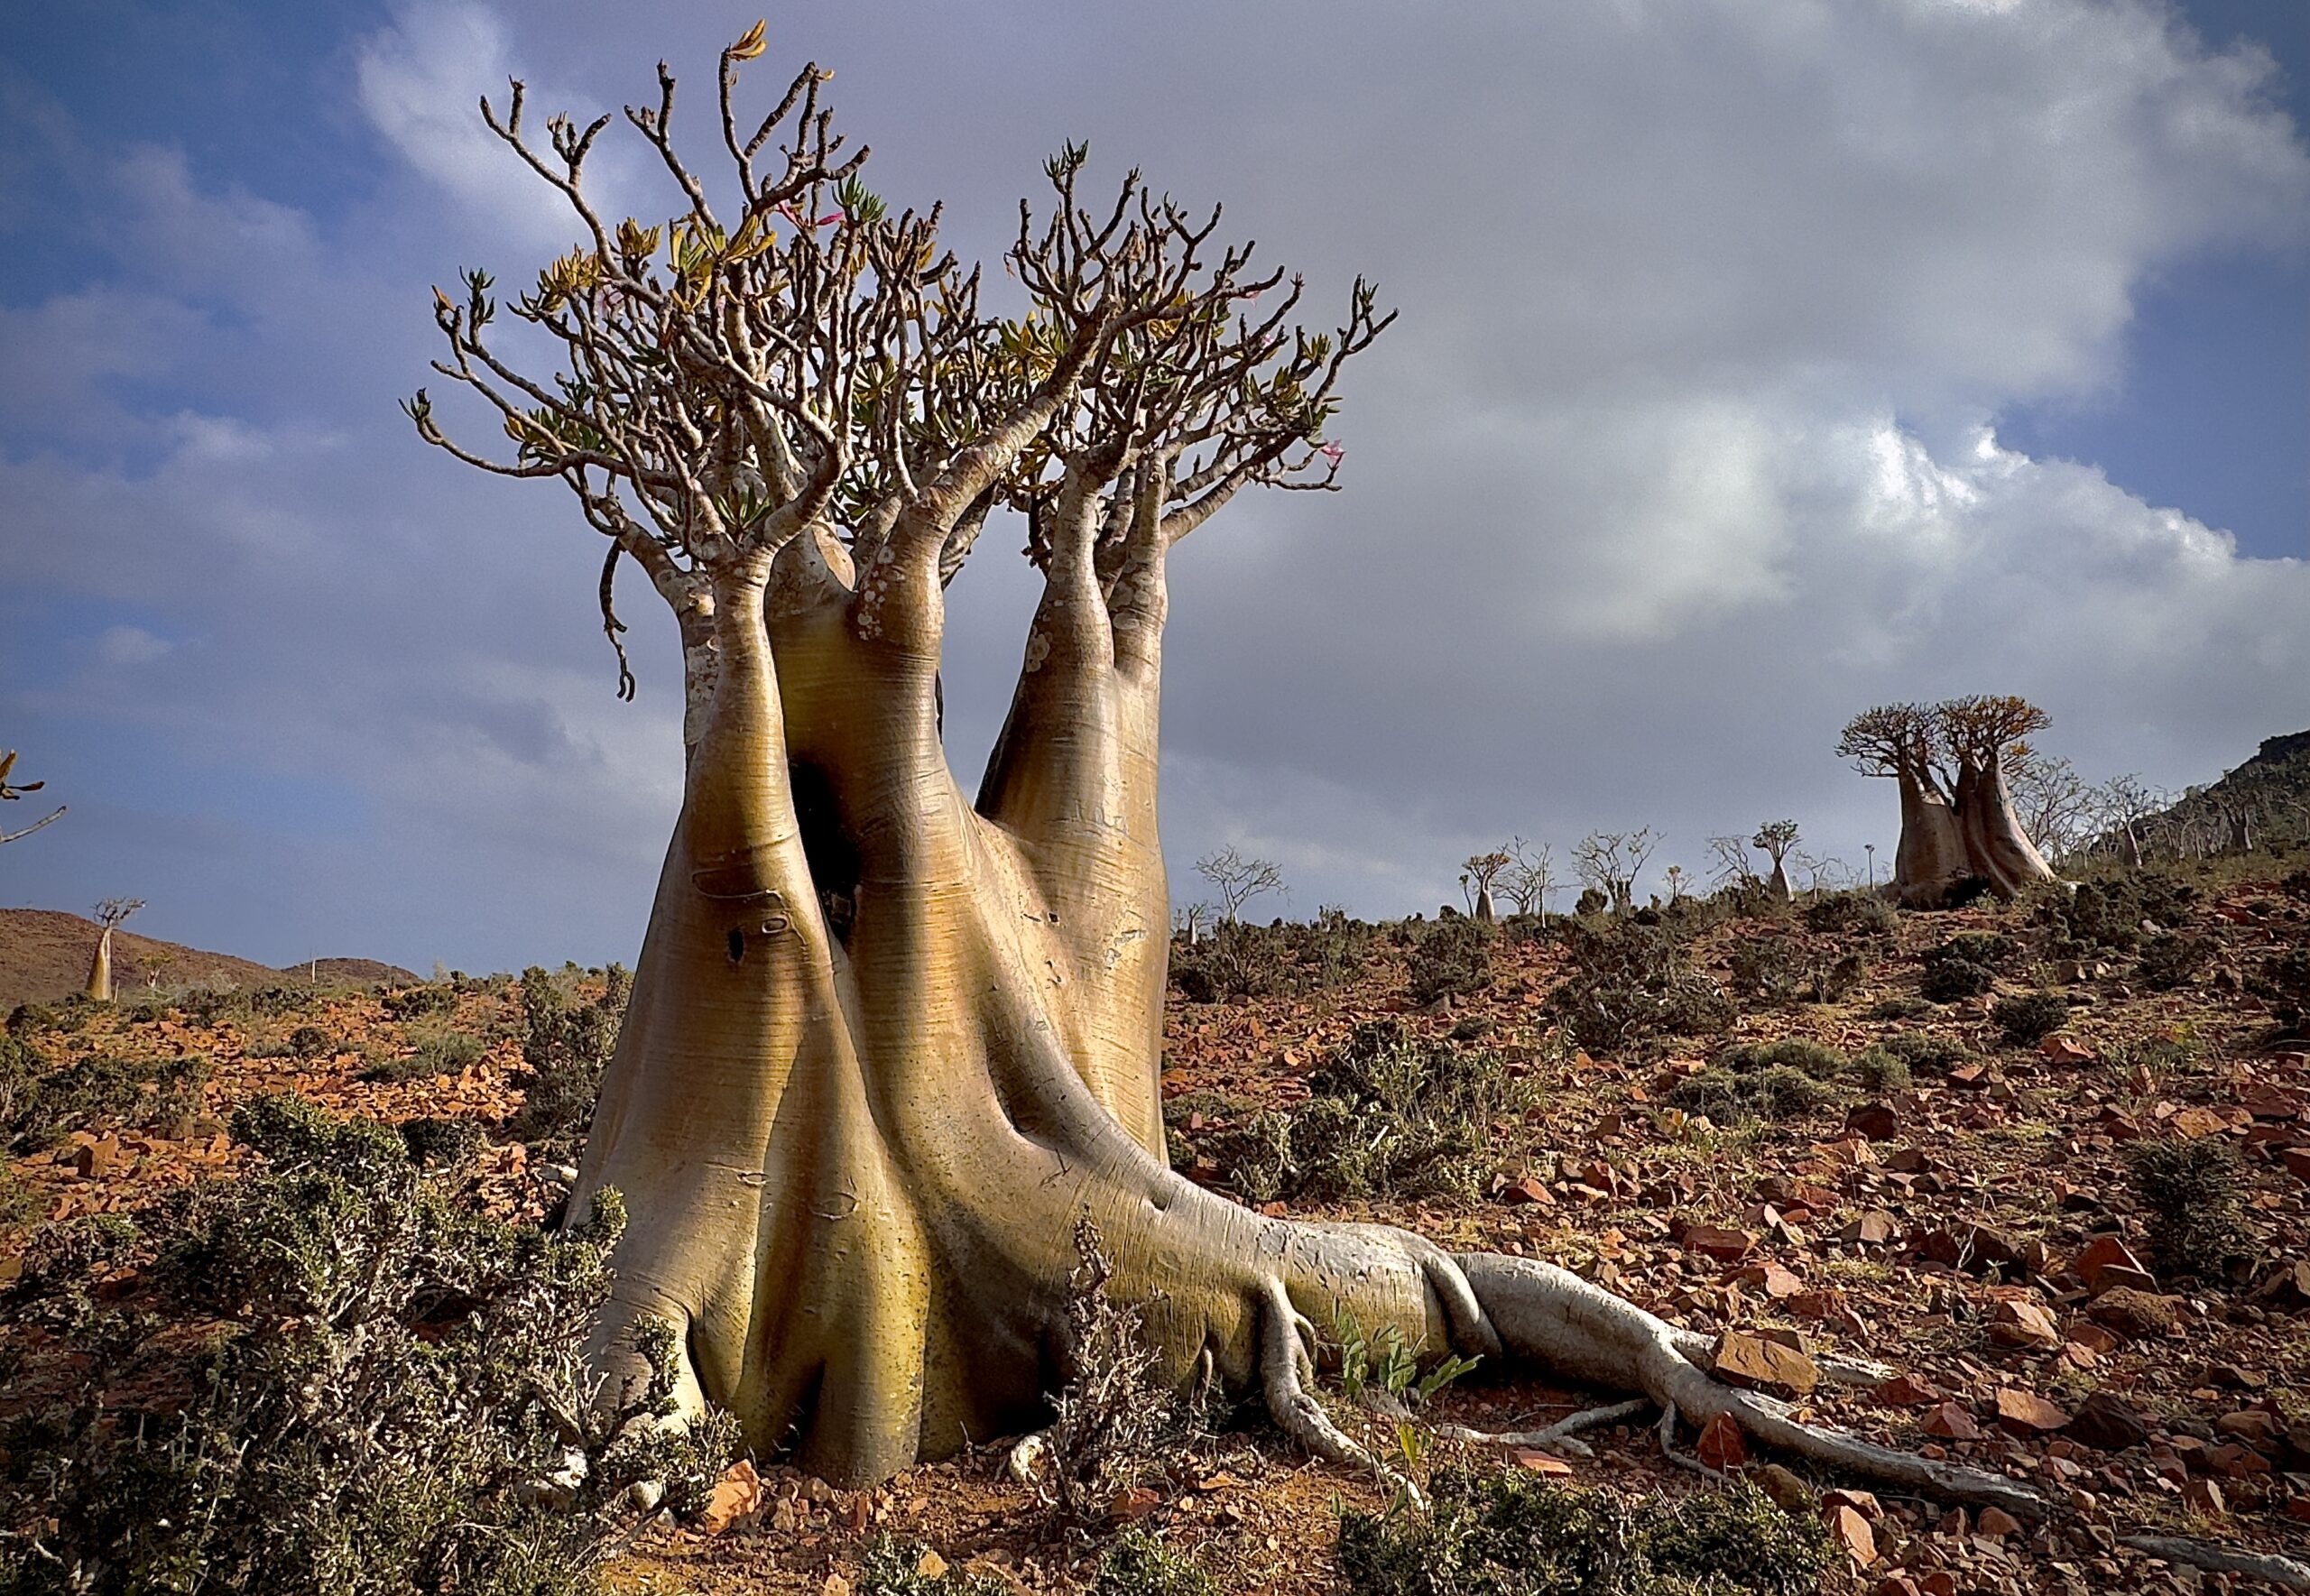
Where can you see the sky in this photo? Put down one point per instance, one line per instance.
(1759, 361)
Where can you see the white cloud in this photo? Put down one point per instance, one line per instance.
(127, 646)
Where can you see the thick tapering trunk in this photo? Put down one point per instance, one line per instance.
(2129, 838)
(99, 987)
(1777, 886)
(1997, 848)
(1484, 905)
(1931, 855)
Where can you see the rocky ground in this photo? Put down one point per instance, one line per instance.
(1977, 1225)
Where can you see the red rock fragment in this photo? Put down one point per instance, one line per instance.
(1952, 1423)
(2025, 1410)
(1854, 1535)
(1746, 1359)
(1721, 1445)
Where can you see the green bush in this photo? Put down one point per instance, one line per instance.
(2029, 1016)
(40, 1106)
(1628, 981)
(1137, 1564)
(1846, 913)
(394, 1398)
(567, 1040)
(2284, 981)
(2193, 1204)
(2109, 914)
(893, 1568)
(1452, 960)
(1950, 976)
(1772, 1080)
(1503, 1534)
(1880, 1069)
(1921, 1050)
(2171, 960)
(1387, 1115)
(1896, 1008)
(413, 1002)
(438, 1051)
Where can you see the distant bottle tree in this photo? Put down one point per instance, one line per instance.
(1958, 819)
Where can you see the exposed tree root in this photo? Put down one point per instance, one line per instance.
(1286, 1367)
(1555, 1319)
(2289, 1572)
(1558, 1436)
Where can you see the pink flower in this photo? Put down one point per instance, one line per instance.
(1332, 452)
(788, 211)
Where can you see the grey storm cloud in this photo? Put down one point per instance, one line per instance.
(1683, 449)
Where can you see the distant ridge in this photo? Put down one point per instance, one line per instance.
(2266, 798)
(44, 957)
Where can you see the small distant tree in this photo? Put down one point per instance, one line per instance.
(2055, 806)
(1238, 879)
(1609, 861)
(1774, 839)
(2122, 806)
(1191, 918)
(1677, 881)
(109, 915)
(1483, 870)
(14, 792)
(1729, 863)
(1530, 877)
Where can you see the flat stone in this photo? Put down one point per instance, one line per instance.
(1746, 1359)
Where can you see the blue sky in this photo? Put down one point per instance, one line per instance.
(1760, 359)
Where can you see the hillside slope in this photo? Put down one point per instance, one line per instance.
(45, 956)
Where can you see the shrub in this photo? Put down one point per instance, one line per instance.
(1387, 1115)
(2029, 1016)
(1108, 1419)
(1952, 980)
(41, 1107)
(1628, 981)
(2109, 914)
(2284, 981)
(309, 1041)
(895, 1568)
(1896, 1008)
(1767, 968)
(1773, 1081)
(1920, 1051)
(394, 1398)
(2190, 1195)
(1880, 1069)
(1137, 1564)
(413, 1002)
(1452, 960)
(567, 1041)
(1591, 902)
(1730, 1098)
(1508, 1533)
(1846, 913)
(1962, 968)
(447, 1144)
(437, 1052)
(2170, 960)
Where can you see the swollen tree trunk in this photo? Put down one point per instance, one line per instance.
(1931, 856)
(1776, 885)
(887, 1048)
(1484, 905)
(99, 987)
(1997, 848)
